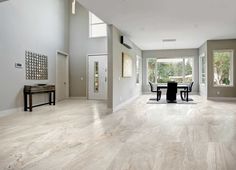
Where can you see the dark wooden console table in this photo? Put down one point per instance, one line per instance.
(30, 90)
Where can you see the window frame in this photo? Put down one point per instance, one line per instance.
(203, 56)
(183, 73)
(138, 71)
(231, 67)
(93, 24)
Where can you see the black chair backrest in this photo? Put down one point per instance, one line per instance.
(151, 85)
(190, 87)
(172, 86)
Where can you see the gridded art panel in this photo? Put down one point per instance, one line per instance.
(36, 66)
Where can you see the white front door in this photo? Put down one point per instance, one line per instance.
(97, 77)
(62, 80)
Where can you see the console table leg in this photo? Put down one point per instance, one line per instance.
(30, 102)
(54, 98)
(50, 98)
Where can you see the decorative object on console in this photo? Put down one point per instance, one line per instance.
(36, 66)
(127, 65)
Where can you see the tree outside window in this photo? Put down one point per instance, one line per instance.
(174, 69)
(223, 67)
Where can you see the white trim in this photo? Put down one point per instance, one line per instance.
(231, 67)
(223, 86)
(8, 112)
(79, 98)
(97, 54)
(122, 105)
(63, 53)
(67, 72)
(222, 98)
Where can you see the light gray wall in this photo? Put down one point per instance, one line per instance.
(220, 45)
(80, 47)
(203, 87)
(38, 26)
(122, 89)
(171, 54)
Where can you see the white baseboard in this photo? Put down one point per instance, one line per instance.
(79, 98)
(11, 111)
(222, 98)
(120, 106)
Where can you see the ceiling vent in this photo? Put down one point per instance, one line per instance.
(126, 42)
(169, 40)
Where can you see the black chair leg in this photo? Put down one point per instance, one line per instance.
(181, 95)
(158, 95)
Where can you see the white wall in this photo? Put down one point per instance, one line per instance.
(80, 47)
(172, 54)
(121, 89)
(38, 26)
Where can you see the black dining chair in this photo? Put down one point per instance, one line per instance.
(171, 92)
(158, 92)
(184, 93)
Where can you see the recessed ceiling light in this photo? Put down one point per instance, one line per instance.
(169, 40)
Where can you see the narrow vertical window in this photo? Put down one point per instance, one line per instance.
(137, 70)
(96, 77)
(151, 70)
(203, 69)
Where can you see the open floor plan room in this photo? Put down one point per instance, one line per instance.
(117, 85)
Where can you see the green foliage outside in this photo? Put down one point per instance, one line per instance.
(169, 71)
(222, 68)
(151, 70)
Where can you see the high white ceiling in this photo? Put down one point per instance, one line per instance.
(148, 22)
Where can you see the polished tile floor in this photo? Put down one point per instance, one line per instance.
(83, 135)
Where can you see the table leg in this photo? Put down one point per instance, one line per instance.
(54, 97)
(30, 102)
(187, 96)
(50, 98)
(25, 102)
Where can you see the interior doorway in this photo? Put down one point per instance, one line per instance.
(62, 76)
(97, 77)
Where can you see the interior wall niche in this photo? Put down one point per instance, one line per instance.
(36, 66)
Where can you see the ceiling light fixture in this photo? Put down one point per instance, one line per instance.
(73, 7)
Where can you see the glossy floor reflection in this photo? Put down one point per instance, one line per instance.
(83, 135)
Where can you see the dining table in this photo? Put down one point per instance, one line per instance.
(179, 86)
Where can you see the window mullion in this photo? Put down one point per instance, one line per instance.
(183, 70)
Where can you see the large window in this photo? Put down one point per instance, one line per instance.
(97, 28)
(174, 69)
(223, 67)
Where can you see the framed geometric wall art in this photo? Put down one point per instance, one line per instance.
(36, 66)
